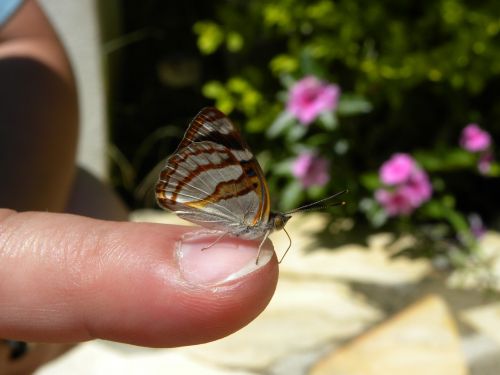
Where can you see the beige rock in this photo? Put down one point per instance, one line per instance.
(372, 264)
(485, 319)
(302, 315)
(422, 339)
(100, 358)
(482, 269)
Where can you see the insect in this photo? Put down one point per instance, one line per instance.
(214, 180)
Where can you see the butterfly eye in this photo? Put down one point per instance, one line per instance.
(279, 222)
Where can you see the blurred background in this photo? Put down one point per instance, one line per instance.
(396, 101)
(327, 91)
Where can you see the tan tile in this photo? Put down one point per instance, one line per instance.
(99, 358)
(302, 315)
(422, 339)
(372, 264)
(481, 270)
(485, 319)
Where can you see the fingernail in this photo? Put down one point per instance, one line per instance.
(229, 259)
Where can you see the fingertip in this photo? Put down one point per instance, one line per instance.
(138, 283)
(203, 295)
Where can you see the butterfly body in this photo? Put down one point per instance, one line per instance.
(214, 180)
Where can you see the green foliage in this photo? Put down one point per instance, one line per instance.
(383, 49)
(237, 92)
(211, 36)
(412, 75)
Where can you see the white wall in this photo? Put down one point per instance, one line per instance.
(77, 24)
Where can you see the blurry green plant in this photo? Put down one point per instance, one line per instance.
(412, 75)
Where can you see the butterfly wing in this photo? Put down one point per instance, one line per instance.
(213, 179)
(210, 124)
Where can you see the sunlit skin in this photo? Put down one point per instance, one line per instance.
(71, 278)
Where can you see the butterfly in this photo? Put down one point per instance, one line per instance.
(214, 180)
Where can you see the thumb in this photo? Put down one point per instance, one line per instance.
(66, 278)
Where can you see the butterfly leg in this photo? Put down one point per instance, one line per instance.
(288, 248)
(217, 240)
(260, 246)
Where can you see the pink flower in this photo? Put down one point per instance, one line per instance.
(476, 226)
(311, 170)
(474, 138)
(397, 169)
(485, 162)
(418, 187)
(309, 97)
(408, 186)
(396, 202)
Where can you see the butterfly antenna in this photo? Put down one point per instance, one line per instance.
(317, 204)
(316, 208)
(288, 248)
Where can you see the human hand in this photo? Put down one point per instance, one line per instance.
(68, 278)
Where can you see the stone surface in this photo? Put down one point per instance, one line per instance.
(481, 354)
(482, 271)
(303, 315)
(100, 358)
(309, 257)
(485, 319)
(422, 339)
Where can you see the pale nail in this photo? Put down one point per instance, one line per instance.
(228, 259)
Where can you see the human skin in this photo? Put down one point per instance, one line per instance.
(67, 278)
(38, 115)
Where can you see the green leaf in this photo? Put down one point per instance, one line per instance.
(226, 105)
(238, 85)
(277, 15)
(296, 132)
(223, 99)
(374, 213)
(255, 125)
(287, 81)
(234, 41)
(316, 193)
(341, 146)
(214, 90)
(494, 170)
(370, 181)
(210, 36)
(250, 101)
(264, 158)
(292, 195)
(310, 66)
(283, 168)
(443, 209)
(283, 64)
(446, 159)
(282, 122)
(329, 120)
(350, 104)
(319, 139)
